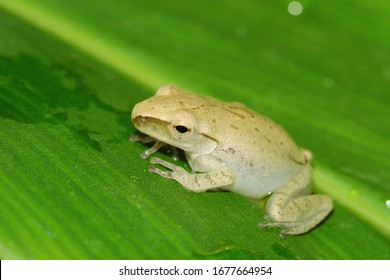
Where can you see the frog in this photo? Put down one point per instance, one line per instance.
(233, 148)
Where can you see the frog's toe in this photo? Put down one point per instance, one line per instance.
(269, 224)
(283, 233)
(156, 160)
(163, 173)
(263, 224)
(288, 228)
(166, 164)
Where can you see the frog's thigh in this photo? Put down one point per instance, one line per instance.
(294, 209)
(221, 175)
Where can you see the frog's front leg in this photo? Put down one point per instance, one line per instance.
(294, 209)
(219, 174)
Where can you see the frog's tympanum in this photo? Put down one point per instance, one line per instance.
(231, 147)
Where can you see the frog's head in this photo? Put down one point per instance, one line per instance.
(170, 116)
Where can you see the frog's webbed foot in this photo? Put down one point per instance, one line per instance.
(294, 209)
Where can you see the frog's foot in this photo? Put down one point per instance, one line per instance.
(145, 140)
(170, 150)
(152, 150)
(196, 182)
(167, 174)
(283, 225)
(300, 215)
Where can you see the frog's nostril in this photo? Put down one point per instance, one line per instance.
(138, 120)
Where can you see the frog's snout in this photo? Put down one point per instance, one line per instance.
(139, 120)
(135, 113)
(142, 121)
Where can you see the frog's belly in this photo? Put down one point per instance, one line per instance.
(260, 183)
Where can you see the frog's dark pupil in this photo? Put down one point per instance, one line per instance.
(181, 129)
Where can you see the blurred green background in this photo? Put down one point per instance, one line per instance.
(73, 187)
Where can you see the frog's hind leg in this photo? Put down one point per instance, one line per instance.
(294, 209)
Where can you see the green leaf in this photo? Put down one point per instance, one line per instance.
(72, 185)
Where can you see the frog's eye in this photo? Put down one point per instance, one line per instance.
(182, 129)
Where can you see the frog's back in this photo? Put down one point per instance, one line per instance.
(260, 151)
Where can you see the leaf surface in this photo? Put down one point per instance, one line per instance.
(73, 187)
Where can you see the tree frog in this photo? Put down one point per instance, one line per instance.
(231, 147)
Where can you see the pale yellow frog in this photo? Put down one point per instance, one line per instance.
(230, 147)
